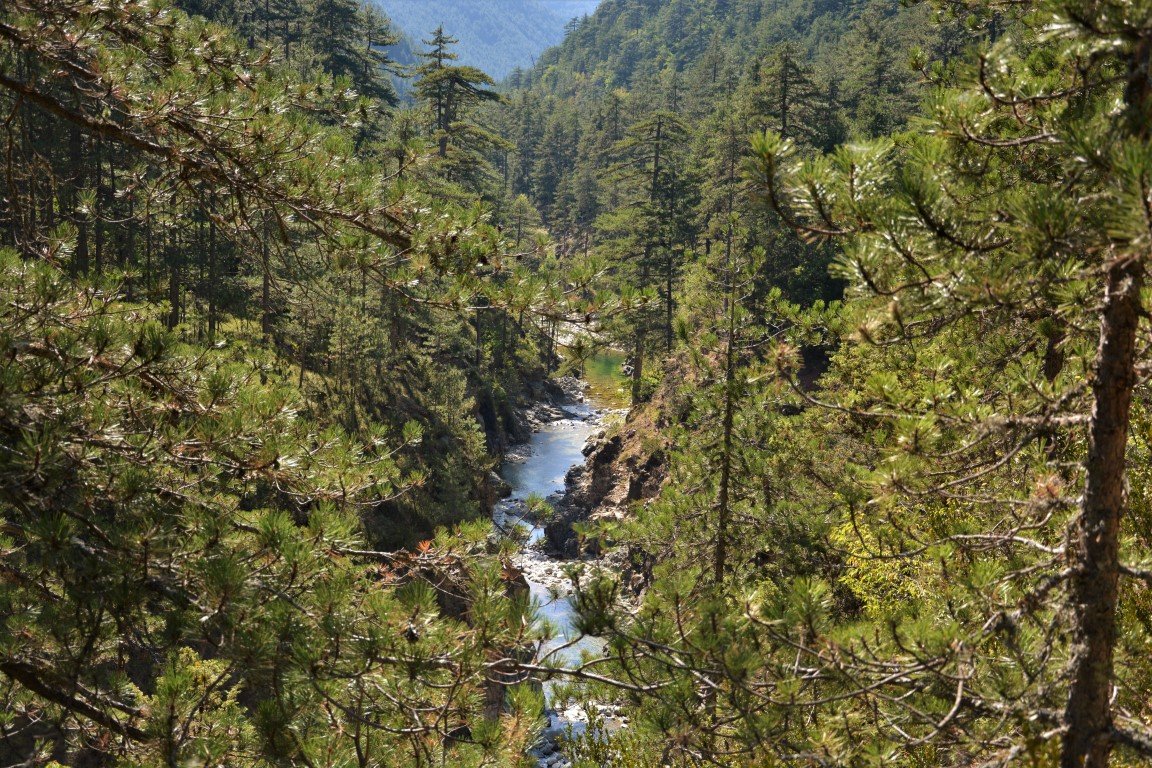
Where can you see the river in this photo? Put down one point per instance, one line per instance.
(539, 470)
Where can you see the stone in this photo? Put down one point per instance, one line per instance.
(499, 486)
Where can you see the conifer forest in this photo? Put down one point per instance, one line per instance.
(575, 384)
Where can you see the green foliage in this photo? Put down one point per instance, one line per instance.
(630, 137)
(248, 343)
(450, 93)
(257, 325)
(923, 558)
(356, 258)
(182, 558)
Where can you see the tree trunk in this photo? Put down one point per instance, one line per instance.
(669, 302)
(174, 288)
(266, 305)
(638, 343)
(79, 177)
(213, 278)
(502, 343)
(723, 501)
(98, 219)
(784, 62)
(637, 363)
(1095, 544)
(147, 251)
(265, 286)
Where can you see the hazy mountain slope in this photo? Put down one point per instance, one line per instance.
(632, 42)
(569, 9)
(495, 35)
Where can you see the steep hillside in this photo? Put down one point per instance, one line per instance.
(627, 41)
(631, 139)
(630, 135)
(877, 273)
(694, 57)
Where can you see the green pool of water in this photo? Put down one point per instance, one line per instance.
(607, 385)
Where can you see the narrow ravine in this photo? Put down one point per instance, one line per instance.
(539, 468)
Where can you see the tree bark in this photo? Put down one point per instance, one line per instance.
(174, 288)
(638, 343)
(265, 285)
(98, 200)
(669, 301)
(1087, 740)
(213, 279)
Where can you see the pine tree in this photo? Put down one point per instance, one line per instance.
(875, 75)
(649, 170)
(349, 41)
(1017, 226)
(450, 93)
(785, 97)
(189, 526)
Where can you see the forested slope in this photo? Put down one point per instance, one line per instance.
(851, 62)
(880, 274)
(630, 137)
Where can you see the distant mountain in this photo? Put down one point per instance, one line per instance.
(495, 35)
(570, 9)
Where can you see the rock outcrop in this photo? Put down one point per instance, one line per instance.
(616, 474)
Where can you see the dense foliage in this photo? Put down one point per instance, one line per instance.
(934, 553)
(880, 274)
(630, 137)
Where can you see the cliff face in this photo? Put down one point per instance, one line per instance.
(509, 421)
(627, 464)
